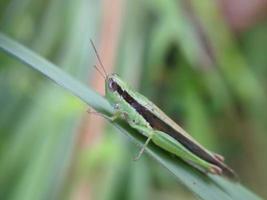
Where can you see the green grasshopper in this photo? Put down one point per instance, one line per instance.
(144, 116)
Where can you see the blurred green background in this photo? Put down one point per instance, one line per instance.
(203, 62)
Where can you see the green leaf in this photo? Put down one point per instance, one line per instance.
(54, 73)
(205, 186)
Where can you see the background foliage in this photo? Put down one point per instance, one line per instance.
(207, 75)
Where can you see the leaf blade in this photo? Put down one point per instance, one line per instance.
(208, 187)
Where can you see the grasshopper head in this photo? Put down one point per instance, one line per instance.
(114, 87)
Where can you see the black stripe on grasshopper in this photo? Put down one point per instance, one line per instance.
(158, 124)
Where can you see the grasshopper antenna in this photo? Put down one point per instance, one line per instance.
(99, 71)
(98, 57)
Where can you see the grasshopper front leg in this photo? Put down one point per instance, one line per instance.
(117, 114)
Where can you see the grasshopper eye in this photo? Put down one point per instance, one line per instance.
(112, 85)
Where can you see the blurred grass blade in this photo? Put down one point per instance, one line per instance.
(54, 73)
(208, 187)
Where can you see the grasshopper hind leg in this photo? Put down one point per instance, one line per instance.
(165, 142)
(142, 149)
(149, 133)
(212, 169)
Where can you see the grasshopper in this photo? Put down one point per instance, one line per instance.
(145, 117)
